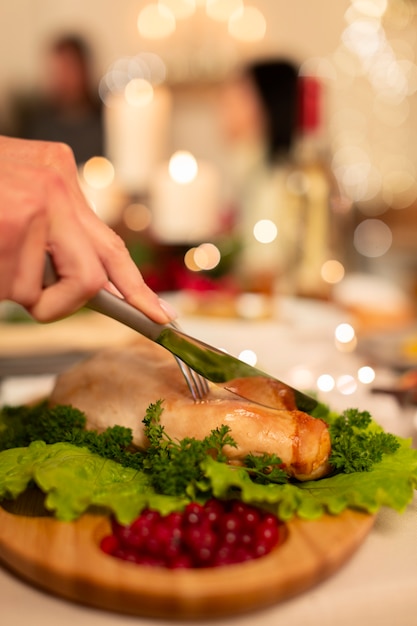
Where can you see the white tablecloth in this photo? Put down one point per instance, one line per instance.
(377, 587)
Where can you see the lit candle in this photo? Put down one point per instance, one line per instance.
(137, 125)
(184, 200)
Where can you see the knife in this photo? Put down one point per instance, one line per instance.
(210, 362)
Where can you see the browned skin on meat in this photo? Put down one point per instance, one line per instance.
(116, 386)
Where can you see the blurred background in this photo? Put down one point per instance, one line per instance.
(181, 151)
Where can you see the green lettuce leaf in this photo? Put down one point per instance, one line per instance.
(391, 483)
(75, 479)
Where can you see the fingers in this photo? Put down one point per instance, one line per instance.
(122, 271)
(22, 234)
(79, 270)
(21, 272)
(125, 276)
(37, 214)
(111, 250)
(86, 252)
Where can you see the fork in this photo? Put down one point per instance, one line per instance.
(197, 384)
(118, 309)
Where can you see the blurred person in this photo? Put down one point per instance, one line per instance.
(68, 108)
(43, 209)
(259, 108)
(260, 116)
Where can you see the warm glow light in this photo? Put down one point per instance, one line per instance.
(252, 306)
(247, 24)
(98, 172)
(371, 8)
(137, 217)
(189, 260)
(364, 37)
(372, 238)
(146, 65)
(301, 377)
(222, 10)
(207, 256)
(399, 188)
(156, 22)
(366, 374)
(179, 8)
(249, 357)
(183, 167)
(345, 338)
(325, 382)
(332, 271)
(344, 333)
(346, 384)
(139, 92)
(265, 231)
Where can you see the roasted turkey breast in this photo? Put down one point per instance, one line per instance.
(117, 385)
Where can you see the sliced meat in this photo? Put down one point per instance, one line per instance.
(116, 386)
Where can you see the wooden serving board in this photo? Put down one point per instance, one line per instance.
(65, 559)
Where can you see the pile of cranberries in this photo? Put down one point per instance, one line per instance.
(218, 533)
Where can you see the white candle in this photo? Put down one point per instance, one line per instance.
(136, 137)
(185, 212)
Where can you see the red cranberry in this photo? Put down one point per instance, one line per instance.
(109, 544)
(218, 533)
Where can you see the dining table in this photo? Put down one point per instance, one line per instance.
(297, 342)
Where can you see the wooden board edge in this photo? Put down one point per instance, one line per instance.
(65, 560)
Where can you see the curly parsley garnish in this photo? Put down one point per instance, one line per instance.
(356, 445)
(21, 425)
(266, 468)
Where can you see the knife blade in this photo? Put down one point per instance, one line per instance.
(221, 367)
(212, 363)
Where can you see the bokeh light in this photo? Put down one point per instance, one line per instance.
(139, 92)
(345, 338)
(332, 271)
(371, 8)
(366, 374)
(301, 377)
(376, 75)
(249, 357)
(265, 231)
(137, 217)
(344, 333)
(98, 172)
(189, 260)
(181, 9)
(222, 10)
(325, 382)
(207, 256)
(346, 384)
(372, 238)
(183, 167)
(252, 306)
(247, 24)
(146, 65)
(156, 21)
(364, 37)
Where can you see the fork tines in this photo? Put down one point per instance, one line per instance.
(198, 385)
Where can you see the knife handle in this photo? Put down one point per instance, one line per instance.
(111, 305)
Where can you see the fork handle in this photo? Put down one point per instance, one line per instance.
(111, 305)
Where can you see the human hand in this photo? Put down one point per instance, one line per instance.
(42, 208)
